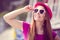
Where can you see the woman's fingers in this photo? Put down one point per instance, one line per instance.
(28, 8)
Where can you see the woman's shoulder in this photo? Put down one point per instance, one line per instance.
(26, 26)
(26, 23)
(54, 34)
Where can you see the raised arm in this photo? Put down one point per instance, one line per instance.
(10, 17)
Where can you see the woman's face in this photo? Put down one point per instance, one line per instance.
(39, 13)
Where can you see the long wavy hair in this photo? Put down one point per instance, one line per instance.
(46, 27)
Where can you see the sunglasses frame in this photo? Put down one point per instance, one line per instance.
(40, 11)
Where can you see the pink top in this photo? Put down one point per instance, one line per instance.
(26, 28)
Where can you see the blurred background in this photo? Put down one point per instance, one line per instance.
(6, 6)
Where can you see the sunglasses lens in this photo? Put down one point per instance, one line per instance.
(36, 10)
(41, 11)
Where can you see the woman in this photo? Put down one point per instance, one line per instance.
(40, 28)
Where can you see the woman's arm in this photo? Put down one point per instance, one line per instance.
(10, 17)
(57, 37)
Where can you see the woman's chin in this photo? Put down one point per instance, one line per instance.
(39, 20)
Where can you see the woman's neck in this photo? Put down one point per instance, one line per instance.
(39, 27)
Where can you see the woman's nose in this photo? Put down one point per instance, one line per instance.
(38, 13)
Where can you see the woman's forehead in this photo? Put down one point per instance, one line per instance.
(39, 7)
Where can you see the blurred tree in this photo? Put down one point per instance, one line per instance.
(45, 1)
(8, 5)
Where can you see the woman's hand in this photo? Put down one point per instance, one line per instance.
(28, 8)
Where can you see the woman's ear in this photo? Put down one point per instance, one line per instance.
(45, 16)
